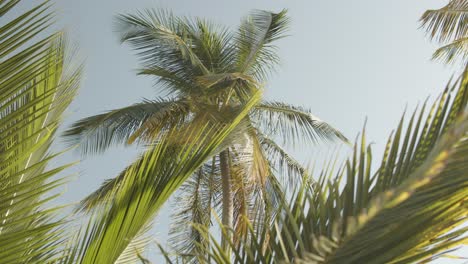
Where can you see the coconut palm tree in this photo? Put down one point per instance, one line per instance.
(35, 89)
(412, 209)
(448, 25)
(208, 71)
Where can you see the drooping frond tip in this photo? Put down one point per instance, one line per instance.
(293, 123)
(254, 42)
(449, 26)
(447, 23)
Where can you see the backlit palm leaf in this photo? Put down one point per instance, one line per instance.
(34, 91)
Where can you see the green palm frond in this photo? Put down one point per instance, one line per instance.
(105, 192)
(418, 219)
(161, 28)
(292, 123)
(448, 25)
(406, 152)
(212, 44)
(140, 121)
(177, 51)
(456, 50)
(163, 42)
(35, 89)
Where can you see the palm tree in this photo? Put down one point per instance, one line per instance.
(448, 25)
(207, 72)
(35, 89)
(412, 209)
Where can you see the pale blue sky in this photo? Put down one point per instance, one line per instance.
(345, 60)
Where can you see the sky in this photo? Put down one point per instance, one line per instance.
(345, 60)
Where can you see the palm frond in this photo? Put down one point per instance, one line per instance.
(140, 121)
(292, 123)
(35, 88)
(407, 151)
(163, 43)
(105, 193)
(456, 50)
(212, 44)
(283, 163)
(447, 23)
(6, 6)
(417, 220)
(256, 52)
(177, 51)
(194, 205)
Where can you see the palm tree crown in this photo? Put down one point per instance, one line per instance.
(207, 73)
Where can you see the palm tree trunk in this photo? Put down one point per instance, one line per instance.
(228, 206)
